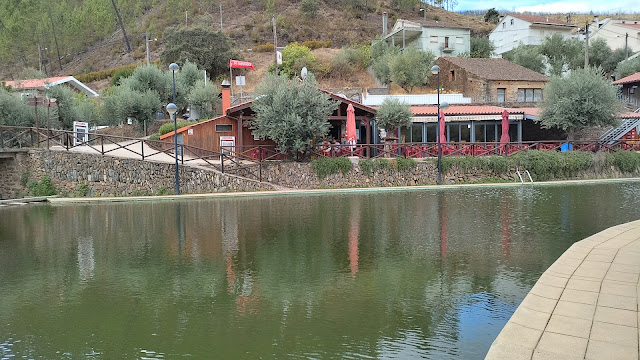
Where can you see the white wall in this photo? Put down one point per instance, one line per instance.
(613, 32)
(459, 41)
(512, 31)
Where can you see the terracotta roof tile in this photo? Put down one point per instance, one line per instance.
(34, 83)
(463, 110)
(629, 79)
(630, 115)
(496, 69)
(439, 24)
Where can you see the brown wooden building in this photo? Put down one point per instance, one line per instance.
(630, 89)
(233, 128)
(491, 80)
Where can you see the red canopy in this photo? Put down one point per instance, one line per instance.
(350, 135)
(237, 64)
(504, 138)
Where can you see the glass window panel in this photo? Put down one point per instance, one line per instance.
(479, 129)
(537, 94)
(529, 95)
(491, 132)
(465, 132)
(432, 132)
(454, 132)
(405, 134)
(224, 127)
(416, 133)
(520, 94)
(513, 132)
(501, 95)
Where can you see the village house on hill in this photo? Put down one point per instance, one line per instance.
(40, 86)
(515, 29)
(619, 34)
(491, 80)
(439, 38)
(630, 89)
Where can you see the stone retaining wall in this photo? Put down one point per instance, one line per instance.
(301, 176)
(110, 176)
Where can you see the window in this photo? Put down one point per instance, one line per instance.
(433, 39)
(416, 133)
(459, 132)
(504, 25)
(529, 95)
(501, 94)
(511, 21)
(432, 132)
(452, 75)
(224, 127)
(446, 42)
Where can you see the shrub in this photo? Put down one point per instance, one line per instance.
(324, 167)
(42, 188)
(625, 161)
(82, 190)
(366, 165)
(316, 44)
(268, 47)
(168, 127)
(405, 164)
(121, 73)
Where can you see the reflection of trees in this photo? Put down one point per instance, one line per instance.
(280, 270)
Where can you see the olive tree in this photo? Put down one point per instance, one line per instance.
(411, 67)
(582, 99)
(393, 114)
(14, 111)
(292, 113)
(204, 98)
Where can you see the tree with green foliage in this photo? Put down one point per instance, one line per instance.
(492, 16)
(309, 8)
(628, 67)
(393, 114)
(528, 56)
(599, 52)
(411, 67)
(125, 103)
(294, 58)
(14, 111)
(481, 47)
(207, 48)
(66, 108)
(562, 54)
(611, 63)
(582, 99)
(290, 112)
(204, 98)
(150, 77)
(382, 54)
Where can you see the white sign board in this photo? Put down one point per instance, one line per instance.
(190, 132)
(80, 132)
(240, 81)
(279, 57)
(227, 144)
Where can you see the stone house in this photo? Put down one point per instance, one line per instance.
(440, 38)
(491, 80)
(527, 29)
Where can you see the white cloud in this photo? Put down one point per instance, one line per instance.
(559, 7)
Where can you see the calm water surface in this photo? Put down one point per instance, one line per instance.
(405, 274)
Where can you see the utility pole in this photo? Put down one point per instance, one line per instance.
(275, 43)
(586, 47)
(147, 41)
(40, 57)
(220, 17)
(124, 32)
(626, 45)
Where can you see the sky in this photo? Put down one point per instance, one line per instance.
(586, 6)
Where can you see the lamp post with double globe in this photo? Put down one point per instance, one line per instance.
(173, 67)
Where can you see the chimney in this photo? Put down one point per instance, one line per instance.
(384, 23)
(226, 96)
(595, 19)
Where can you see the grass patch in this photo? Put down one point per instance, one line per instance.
(324, 167)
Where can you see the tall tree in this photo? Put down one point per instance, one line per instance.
(582, 99)
(292, 113)
(528, 56)
(481, 47)
(411, 67)
(393, 114)
(562, 54)
(124, 32)
(492, 16)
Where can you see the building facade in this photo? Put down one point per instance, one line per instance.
(516, 29)
(619, 34)
(439, 38)
(491, 80)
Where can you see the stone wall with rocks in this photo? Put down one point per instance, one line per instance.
(110, 176)
(11, 171)
(301, 176)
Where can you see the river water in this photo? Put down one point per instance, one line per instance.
(383, 274)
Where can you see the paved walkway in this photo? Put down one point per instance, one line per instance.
(585, 306)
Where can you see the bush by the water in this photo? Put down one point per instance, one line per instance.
(168, 127)
(625, 161)
(405, 164)
(324, 167)
(369, 166)
(44, 187)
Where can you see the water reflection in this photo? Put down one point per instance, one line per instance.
(432, 274)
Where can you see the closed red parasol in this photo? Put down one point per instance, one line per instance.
(443, 136)
(350, 135)
(504, 138)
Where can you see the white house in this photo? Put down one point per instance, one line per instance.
(439, 38)
(619, 34)
(526, 29)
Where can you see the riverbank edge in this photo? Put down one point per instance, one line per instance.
(293, 192)
(584, 306)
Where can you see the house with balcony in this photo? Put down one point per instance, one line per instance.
(440, 38)
(619, 34)
(515, 29)
(491, 80)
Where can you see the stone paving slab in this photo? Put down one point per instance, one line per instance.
(585, 306)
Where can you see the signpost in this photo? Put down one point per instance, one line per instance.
(240, 81)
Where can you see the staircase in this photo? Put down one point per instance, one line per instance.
(616, 133)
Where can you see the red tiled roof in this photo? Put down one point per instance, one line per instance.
(528, 111)
(495, 69)
(541, 19)
(629, 79)
(34, 83)
(630, 115)
(439, 24)
(463, 110)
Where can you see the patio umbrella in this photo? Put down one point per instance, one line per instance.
(443, 136)
(350, 135)
(504, 138)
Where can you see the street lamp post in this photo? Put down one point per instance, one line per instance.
(173, 67)
(435, 69)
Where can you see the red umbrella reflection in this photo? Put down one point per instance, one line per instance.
(354, 235)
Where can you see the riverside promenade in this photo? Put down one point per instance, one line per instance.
(585, 306)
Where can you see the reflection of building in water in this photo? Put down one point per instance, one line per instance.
(86, 259)
(230, 246)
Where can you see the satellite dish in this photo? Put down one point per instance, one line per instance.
(303, 73)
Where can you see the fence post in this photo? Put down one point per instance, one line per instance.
(260, 170)
(222, 162)
(102, 145)
(142, 148)
(182, 154)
